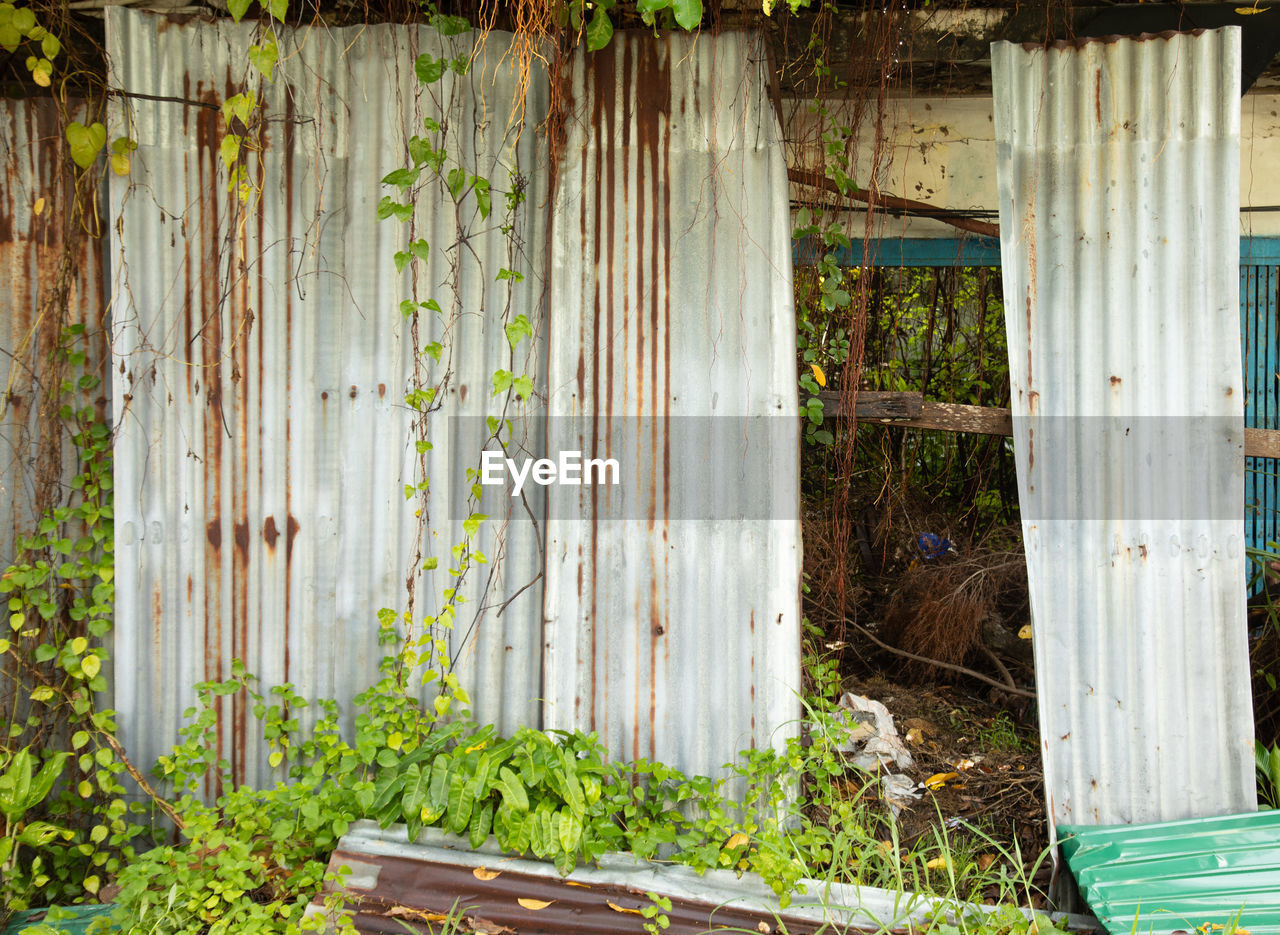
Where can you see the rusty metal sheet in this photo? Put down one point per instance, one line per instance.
(261, 361)
(52, 274)
(1118, 165)
(673, 624)
(393, 881)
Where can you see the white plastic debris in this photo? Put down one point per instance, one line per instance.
(871, 735)
(899, 791)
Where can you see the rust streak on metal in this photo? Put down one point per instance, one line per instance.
(203, 260)
(291, 524)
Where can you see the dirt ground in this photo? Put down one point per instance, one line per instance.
(997, 784)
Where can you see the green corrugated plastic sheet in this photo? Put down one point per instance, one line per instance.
(65, 920)
(1180, 875)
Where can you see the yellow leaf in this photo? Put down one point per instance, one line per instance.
(938, 780)
(1025, 632)
(914, 736)
(818, 374)
(396, 740)
(85, 789)
(91, 665)
(92, 884)
(409, 912)
(41, 77)
(616, 908)
(484, 873)
(477, 746)
(1249, 11)
(275, 759)
(938, 863)
(535, 903)
(585, 886)
(38, 208)
(737, 840)
(120, 163)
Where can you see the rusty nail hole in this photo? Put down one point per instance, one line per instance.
(352, 394)
(1115, 381)
(658, 631)
(324, 395)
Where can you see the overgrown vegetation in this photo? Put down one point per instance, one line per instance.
(81, 822)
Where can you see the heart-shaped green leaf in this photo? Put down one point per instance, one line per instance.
(428, 68)
(230, 149)
(10, 38)
(688, 13)
(599, 30)
(86, 142)
(237, 9)
(23, 20)
(263, 57)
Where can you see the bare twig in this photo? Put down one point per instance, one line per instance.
(1011, 689)
(145, 786)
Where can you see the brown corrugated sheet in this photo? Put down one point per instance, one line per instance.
(419, 894)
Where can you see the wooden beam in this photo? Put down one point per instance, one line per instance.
(911, 410)
(1261, 443)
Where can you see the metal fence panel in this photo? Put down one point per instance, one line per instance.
(1119, 187)
(262, 441)
(47, 262)
(1260, 330)
(672, 613)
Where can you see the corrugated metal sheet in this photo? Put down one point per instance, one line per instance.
(51, 270)
(394, 881)
(263, 445)
(1119, 187)
(262, 449)
(1183, 875)
(673, 616)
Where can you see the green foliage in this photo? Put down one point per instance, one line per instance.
(62, 770)
(18, 24)
(823, 321)
(1267, 763)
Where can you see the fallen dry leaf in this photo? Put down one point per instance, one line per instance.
(486, 927)
(914, 736)
(535, 903)
(38, 208)
(408, 912)
(938, 780)
(484, 873)
(985, 861)
(938, 863)
(764, 928)
(616, 908)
